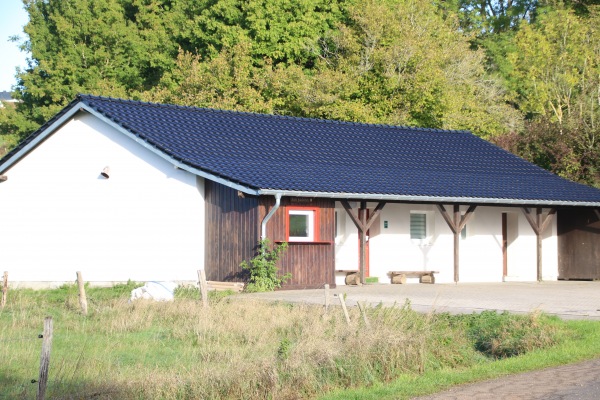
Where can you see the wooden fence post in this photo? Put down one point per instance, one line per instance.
(82, 297)
(363, 311)
(45, 358)
(326, 298)
(5, 289)
(203, 287)
(343, 303)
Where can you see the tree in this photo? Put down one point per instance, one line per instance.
(280, 30)
(414, 67)
(104, 47)
(391, 61)
(388, 61)
(228, 81)
(555, 80)
(488, 17)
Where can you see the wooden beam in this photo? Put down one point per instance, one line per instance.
(531, 221)
(363, 241)
(547, 219)
(465, 218)
(447, 217)
(351, 213)
(456, 242)
(362, 224)
(539, 225)
(457, 224)
(538, 220)
(375, 214)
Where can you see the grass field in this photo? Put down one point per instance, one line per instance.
(245, 349)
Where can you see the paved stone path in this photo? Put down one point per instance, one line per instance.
(569, 300)
(576, 381)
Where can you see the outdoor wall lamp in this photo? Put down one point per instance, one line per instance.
(3, 178)
(106, 172)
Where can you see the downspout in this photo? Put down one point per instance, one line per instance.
(263, 232)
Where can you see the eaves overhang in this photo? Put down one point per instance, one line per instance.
(430, 199)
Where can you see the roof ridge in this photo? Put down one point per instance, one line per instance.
(280, 116)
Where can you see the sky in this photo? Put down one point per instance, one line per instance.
(12, 19)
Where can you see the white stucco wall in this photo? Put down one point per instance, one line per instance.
(146, 222)
(480, 252)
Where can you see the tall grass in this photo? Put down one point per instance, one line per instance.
(235, 349)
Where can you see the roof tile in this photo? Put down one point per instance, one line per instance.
(310, 155)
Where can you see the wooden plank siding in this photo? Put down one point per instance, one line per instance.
(312, 264)
(578, 244)
(232, 231)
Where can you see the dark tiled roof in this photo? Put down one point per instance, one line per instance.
(308, 155)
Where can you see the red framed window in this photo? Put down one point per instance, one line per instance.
(302, 224)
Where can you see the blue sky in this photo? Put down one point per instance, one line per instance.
(12, 19)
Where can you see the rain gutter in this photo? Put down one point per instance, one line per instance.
(430, 199)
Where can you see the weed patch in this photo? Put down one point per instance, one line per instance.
(502, 335)
(240, 348)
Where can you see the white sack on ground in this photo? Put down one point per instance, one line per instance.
(160, 291)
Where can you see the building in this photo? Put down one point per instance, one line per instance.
(125, 190)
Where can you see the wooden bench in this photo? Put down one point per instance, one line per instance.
(424, 276)
(352, 277)
(222, 286)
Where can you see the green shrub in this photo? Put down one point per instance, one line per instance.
(506, 335)
(264, 274)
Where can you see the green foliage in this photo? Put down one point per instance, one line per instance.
(553, 73)
(486, 17)
(460, 64)
(283, 31)
(502, 335)
(263, 270)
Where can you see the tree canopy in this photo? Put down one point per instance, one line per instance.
(522, 73)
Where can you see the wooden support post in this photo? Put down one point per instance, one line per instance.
(363, 241)
(343, 303)
(363, 225)
(456, 242)
(4, 288)
(539, 225)
(456, 224)
(45, 358)
(82, 297)
(203, 287)
(538, 244)
(326, 298)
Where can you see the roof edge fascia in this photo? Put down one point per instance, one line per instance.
(39, 138)
(166, 157)
(429, 199)
(80, 106)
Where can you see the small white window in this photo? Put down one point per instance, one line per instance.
(301, 225)
(418, 226)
